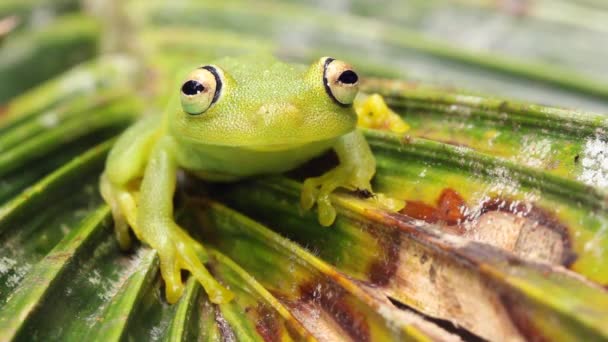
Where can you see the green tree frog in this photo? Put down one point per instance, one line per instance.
(234, 118)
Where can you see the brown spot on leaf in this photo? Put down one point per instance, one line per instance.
(540, 217)
(450, 207)
(520, 318)
(419, 210)
(448, 212)
(331, 298)
(267, 324)
(432, 273)
(383, 269)
(537, 226)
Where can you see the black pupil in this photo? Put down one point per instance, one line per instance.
(348, 77)
(192, 88)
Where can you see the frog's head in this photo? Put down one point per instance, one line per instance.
(261, 103)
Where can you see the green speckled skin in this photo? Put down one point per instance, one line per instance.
(270, 117)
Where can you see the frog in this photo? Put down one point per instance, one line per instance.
(234, 118)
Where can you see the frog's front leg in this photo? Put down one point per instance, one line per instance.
(125, 166)
(356, 169)
(156, 226)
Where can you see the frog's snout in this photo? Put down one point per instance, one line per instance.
(279, 116)
(271, 109)
(279, 119)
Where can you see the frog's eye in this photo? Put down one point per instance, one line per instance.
(201, 90)
(340, 80)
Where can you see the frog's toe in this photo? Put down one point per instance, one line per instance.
(190, 260)
(171, 274)
(319, 189)
(308, 196)
(182, 252)
(326, 211)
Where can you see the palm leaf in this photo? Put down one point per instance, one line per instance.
(503, 232)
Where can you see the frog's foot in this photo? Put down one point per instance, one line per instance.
(373, 112)
(122, 204)
(178, 251)
(318, 190)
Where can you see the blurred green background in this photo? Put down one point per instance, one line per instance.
(545, 51)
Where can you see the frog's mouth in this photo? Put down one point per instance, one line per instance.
(278, 147)
(288, 146)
